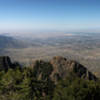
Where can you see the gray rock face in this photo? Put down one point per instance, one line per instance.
(62, 67)
(5, 63)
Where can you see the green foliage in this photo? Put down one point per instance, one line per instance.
(74, 88)
(18, 84)
(8, 84)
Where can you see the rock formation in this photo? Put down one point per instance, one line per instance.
(63, 66)
(58, 68)
(5, 63)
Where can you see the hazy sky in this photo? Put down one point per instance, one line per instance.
(22, 15)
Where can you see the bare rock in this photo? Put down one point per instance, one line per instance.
(62, 67)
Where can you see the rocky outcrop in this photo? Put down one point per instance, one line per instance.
(62, 67)
(5, 63)
(56, 69)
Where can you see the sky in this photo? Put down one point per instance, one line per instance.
(59, 15)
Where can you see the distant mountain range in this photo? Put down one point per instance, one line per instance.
(11, 42)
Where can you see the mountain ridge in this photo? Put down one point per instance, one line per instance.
(58, 68)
